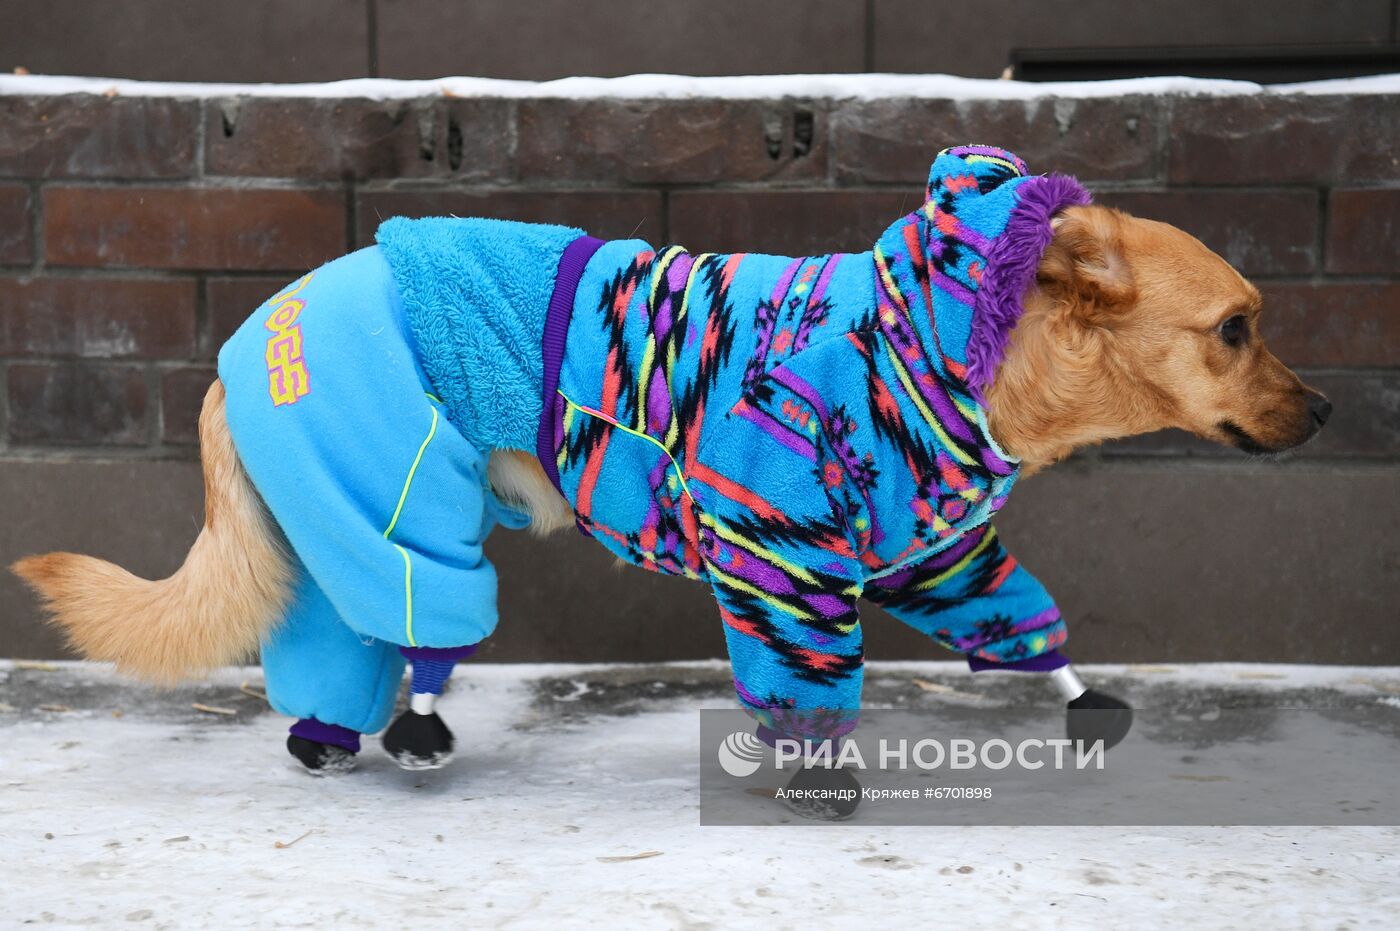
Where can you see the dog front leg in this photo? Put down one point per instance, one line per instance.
(976, 598)
(1091, 715)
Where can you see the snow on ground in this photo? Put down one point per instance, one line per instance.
(573, 801)
(672, 86)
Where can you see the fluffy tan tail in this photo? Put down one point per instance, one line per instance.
(213, 611)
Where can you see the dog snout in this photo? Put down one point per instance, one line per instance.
(1319, 408)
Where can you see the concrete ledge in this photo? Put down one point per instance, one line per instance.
(1199, 561)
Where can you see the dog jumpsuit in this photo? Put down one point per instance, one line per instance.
(382, 497)
(797, 433)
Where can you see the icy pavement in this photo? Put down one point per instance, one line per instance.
(573, 800)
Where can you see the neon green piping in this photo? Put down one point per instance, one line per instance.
(407, 594)
(626, 429)
(403, 495)
(394, 521)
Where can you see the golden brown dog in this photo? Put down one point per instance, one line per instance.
(1132, 326)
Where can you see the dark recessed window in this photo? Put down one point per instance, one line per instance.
(1265, 65)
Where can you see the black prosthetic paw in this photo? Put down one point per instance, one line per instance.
(823, 794)
(320, 759)
(1096, 716)
(418, 741)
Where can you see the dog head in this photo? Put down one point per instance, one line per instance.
(1157, 331)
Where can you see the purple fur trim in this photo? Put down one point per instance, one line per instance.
(323, 733)
(1010, 271)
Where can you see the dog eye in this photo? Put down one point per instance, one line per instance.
(1234, 330)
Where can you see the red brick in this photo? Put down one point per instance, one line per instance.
(1258, 232)
(1363, 232)
(607, 214)
(357, 139)
(1266, 139)
(671, 141)
(193, 227)
(784, 222)
(95, 318)
(1333, 324)
(230, 301)
(77, 404)
(896, 140)
(86, 136)
(16, 231)
(181, 399)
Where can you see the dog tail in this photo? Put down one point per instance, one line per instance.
(216, 608)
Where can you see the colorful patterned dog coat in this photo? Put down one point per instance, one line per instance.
(802, 432)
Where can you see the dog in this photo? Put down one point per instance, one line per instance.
(797, 432)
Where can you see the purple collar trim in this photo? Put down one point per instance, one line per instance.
(1010, 271)
(556, 331)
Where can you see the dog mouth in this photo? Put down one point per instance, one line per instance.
(1244, 442)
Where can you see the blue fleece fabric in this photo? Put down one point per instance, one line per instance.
(384, 502)
(476, 292)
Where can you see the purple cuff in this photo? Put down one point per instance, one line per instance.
(556, 331)
(1045, 662)
(771, 738)
(437, 654)
(323, 733)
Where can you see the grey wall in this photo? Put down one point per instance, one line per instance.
(1201, 562)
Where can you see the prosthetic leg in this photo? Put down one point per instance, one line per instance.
(823, 793)
(419, 739)
(1091, 715)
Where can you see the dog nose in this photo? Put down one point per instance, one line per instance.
(1320, 408)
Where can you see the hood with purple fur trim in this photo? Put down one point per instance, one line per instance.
(960, 265)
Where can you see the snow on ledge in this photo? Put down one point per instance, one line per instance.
(676, 87)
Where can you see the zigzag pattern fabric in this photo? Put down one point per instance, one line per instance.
(802, 432)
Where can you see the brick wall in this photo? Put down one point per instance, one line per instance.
(137, 233)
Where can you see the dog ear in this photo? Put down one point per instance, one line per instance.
(1084, 263)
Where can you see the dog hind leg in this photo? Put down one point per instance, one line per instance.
(339, 684)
